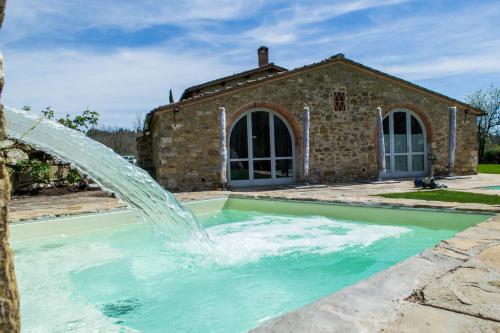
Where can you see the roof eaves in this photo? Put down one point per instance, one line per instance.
(169, 107)
(336, 58)
(231, 77)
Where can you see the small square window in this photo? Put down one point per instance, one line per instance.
(339, 101)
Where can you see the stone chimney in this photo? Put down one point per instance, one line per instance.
(263, 54)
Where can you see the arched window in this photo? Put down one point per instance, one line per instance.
(261, 150)
(405, 144)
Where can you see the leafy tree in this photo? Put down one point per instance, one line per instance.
(48, 113)
(488, 101)
(83, 122)
(87, 120)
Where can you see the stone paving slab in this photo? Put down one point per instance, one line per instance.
(474, 286)
(423, 319)
(471, 290)
(47, 206)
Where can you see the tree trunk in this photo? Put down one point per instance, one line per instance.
(481, 143)
(9, 298)
(481, 152)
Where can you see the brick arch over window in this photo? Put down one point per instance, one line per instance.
(412, 107)
(297, 130)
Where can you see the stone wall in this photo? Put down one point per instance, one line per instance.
(9, 299)
(145, 153)
(342, 144)
(15, 152)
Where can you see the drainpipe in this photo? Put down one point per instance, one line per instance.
(380, 143)
(452, 139)
(306, 120)
(223, 147)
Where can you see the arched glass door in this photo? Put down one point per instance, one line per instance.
(405, 145)
(261, 150)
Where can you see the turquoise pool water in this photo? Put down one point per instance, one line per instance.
(495, 187)
(266, 261)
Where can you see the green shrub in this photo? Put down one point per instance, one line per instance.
(39, 171)
(491, 157)
(73, 176)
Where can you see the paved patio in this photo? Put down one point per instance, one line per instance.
(47, 206)
(454, 287)
(36, 207)
(365, 193)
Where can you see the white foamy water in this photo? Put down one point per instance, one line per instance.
(266, 236)
(257, 237)
(130, 183)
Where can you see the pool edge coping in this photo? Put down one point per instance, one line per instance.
(463, 210)
(422, 204)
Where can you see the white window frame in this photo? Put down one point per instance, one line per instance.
(391, 172)
(250, 159)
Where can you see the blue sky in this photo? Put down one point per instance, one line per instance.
(121, 57)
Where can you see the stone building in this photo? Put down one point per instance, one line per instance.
(265, 132)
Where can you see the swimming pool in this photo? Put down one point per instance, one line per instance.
(105, 272)
(494, 187)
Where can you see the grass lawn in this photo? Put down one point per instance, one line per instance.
(488, 168)
(446, 195)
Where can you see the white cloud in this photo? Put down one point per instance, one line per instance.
(447, 66)
(30, 17)
(460, 42)
(133, 15)
(118, 84)
(295, 21)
